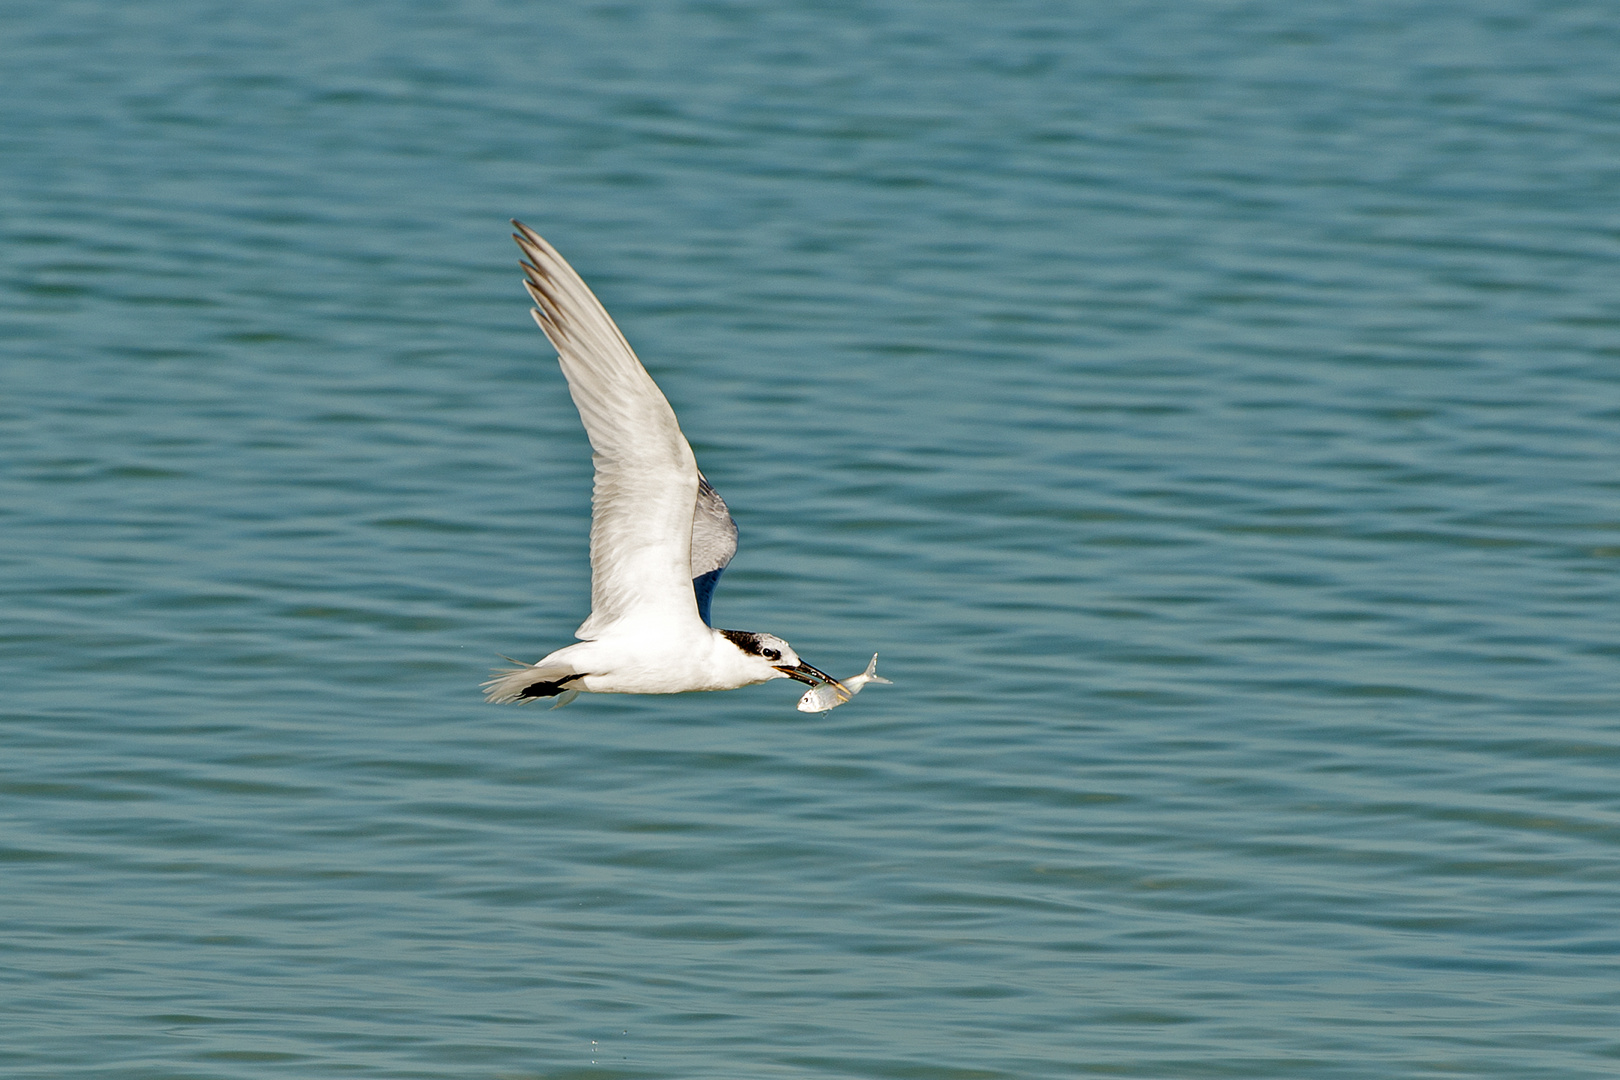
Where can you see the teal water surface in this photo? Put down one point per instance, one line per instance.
(1207, 409)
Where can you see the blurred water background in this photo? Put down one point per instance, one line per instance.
(1208, 409)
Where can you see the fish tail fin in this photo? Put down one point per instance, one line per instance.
(871, 672)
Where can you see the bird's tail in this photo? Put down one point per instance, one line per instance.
(531, 683)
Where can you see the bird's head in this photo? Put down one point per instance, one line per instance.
(775, 658)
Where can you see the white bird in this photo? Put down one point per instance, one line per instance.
(660, 535)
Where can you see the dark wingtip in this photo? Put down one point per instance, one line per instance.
(524, 234)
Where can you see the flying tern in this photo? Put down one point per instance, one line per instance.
(660, 534)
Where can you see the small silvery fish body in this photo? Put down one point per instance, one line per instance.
(831, 695)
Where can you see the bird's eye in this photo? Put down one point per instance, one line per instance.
(772, 654)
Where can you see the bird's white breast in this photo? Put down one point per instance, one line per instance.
(668, 660)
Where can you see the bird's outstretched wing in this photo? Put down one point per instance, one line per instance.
(645, 509)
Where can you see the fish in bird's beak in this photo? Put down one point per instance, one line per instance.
(829, 696)
(808, 675)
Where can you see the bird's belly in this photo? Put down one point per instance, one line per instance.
(662, 659)
(633, 680)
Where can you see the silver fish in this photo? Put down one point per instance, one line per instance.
(831, 695)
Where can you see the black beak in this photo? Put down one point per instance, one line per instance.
(810, 676)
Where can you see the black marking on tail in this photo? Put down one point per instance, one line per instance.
(547, 689)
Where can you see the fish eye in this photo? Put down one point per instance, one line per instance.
(772, 654)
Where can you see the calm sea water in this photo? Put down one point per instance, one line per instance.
(1208, 409)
